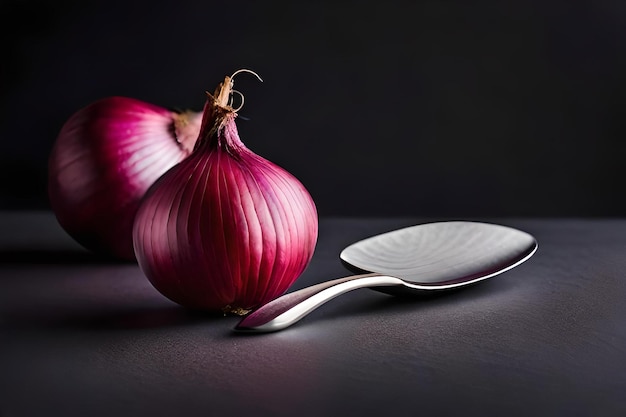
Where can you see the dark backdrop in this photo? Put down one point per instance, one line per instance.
(425, 108)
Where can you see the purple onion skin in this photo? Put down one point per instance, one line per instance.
(103, 161)
(225, 230)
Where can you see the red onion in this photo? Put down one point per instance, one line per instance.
(105, 157)
(224, 230)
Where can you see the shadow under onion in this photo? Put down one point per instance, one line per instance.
(57, 257)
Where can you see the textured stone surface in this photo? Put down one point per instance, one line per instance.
(81, 336)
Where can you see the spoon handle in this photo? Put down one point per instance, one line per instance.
(289, 308)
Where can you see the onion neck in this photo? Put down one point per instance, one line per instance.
(186, 126)
(218, 121)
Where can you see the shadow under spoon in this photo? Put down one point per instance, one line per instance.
(426, 257)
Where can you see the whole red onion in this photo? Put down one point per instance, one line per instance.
(224, 230)
(104, 159)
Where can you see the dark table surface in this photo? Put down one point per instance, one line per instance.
(85, 337)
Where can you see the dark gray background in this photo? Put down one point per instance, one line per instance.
(421, 108)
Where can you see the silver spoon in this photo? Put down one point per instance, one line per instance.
(426, 257)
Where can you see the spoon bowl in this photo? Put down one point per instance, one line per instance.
(426, 257)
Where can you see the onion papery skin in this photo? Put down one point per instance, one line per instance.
(225, 230)
(103, 161)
